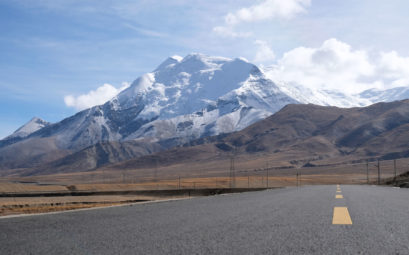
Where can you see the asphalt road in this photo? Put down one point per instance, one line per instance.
(281, 221)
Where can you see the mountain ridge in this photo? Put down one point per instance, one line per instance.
(296, 135)
(182, 100)
(28, 128)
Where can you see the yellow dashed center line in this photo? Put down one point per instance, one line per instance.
(338, 191)
(339, 196)
(341, 216)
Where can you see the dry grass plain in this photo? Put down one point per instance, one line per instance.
(214, 175)
(24, 205)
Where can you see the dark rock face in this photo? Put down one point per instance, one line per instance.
(184, 125)
(224, 147)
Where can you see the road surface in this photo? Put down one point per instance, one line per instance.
(308, 220)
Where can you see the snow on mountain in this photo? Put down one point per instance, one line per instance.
(30, 127)
(334, 97)
(199, 96)
(308, 95)
(254, 99)
(192, 97)
(179, 87)
(183, 98)
(321, 97)
(389, 95)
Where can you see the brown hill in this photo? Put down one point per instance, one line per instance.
(296, 135)
(30, 153)
(96, 156)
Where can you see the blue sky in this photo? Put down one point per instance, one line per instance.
(51, 49)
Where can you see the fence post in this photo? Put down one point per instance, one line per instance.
(248, 181)
(179, 183)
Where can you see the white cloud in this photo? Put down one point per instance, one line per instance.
(395, 68)
(147, 32)
(94, 97)
(335, 65)
(228, 31)
(268, 9)
(264, 53)
(395, 64)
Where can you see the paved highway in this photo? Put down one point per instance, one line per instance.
(308, 220)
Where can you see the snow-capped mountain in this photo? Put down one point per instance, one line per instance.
(197, 96)
(221, 96)
(183, 98)
(30, 127)
(322, 97)
(389, 95)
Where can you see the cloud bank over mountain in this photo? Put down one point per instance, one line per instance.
(337, 65)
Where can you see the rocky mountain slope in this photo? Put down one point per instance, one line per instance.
(300, 134)
(183, 99)
(30, 127)
(27, 129)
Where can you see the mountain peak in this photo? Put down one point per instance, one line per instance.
(36, 120)
(30, 127)
(195, 61)
(204, 58)
(170, 61)
(177, 58)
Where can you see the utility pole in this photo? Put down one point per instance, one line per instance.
(379, 173)
(267, 174)
(155, 172)
(299, 179)
(232, 173)
(248, 181)
(394, 168)
(296, 178)
(367, 171)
